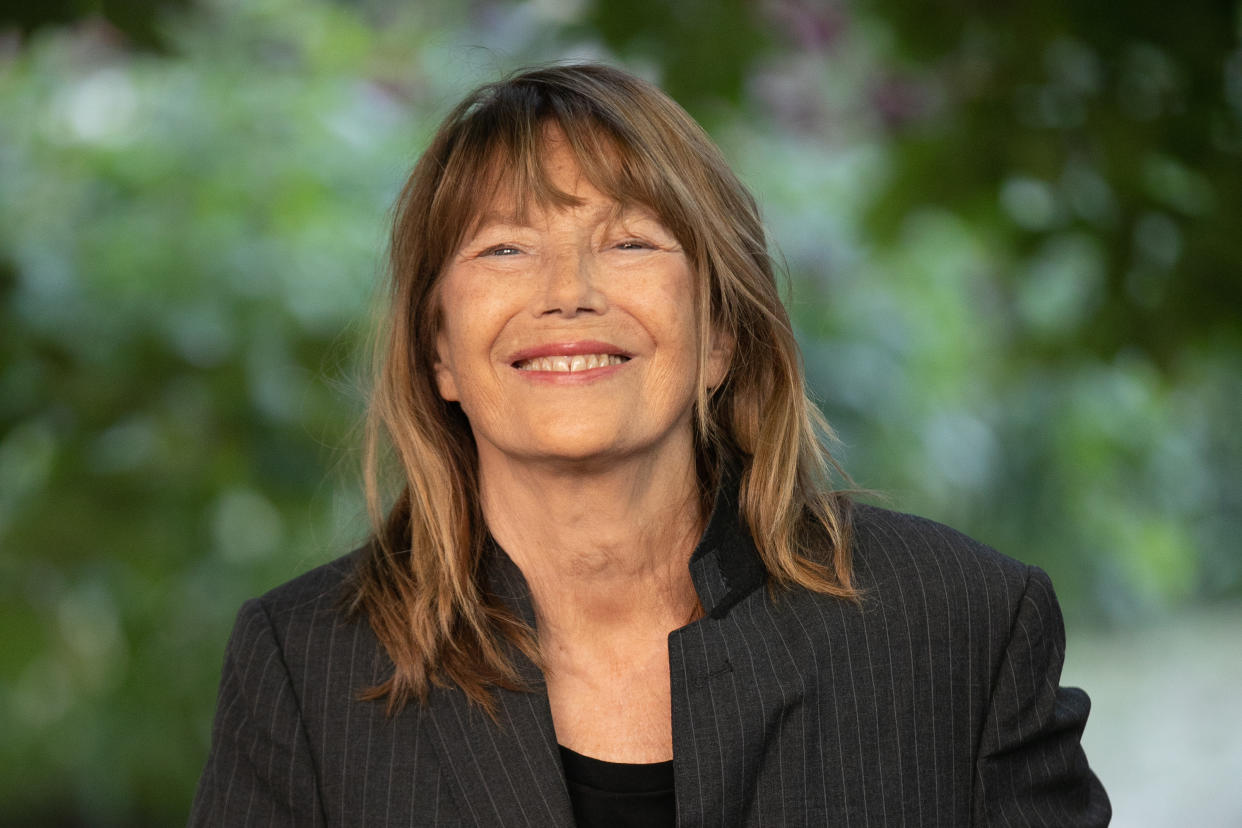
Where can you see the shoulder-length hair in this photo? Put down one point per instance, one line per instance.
(418, 580)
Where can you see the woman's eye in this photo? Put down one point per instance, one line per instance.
(501, 250)
(633, 244)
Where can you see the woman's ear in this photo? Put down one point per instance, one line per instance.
(719, 358)
(446, 379)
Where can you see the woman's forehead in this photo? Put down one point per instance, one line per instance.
(553, 164)
(602, 210)
(523, 201)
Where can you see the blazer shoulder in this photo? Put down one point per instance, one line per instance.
(305, 620)
(893, 549)
(319, 590)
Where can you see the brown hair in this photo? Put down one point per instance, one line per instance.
(417, 581)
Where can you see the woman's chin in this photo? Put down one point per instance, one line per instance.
(585, 451)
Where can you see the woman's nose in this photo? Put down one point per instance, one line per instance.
(571, 284)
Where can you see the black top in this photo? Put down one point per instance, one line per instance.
(619, 795)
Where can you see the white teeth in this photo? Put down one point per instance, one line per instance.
(570, 364)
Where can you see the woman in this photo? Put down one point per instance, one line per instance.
(616, 586)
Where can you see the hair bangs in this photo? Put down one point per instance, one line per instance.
(500, 157)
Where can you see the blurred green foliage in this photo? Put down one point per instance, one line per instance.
(1116, 129)
(1009, 231)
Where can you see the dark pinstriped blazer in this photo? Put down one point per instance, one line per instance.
(934, 703)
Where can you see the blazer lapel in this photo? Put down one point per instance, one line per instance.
(506, 771)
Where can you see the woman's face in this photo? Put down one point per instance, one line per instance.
(571, 335)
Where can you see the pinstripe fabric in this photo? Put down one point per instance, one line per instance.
(933, 703)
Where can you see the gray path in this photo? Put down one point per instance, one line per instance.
(1165, 734)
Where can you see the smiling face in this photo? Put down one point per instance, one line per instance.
(570, 333)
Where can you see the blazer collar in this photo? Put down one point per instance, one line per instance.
(725, 566)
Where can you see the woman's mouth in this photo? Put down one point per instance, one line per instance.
(567, 364)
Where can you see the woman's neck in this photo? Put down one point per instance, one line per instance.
(604, 549)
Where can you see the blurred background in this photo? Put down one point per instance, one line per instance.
(1014, 239)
